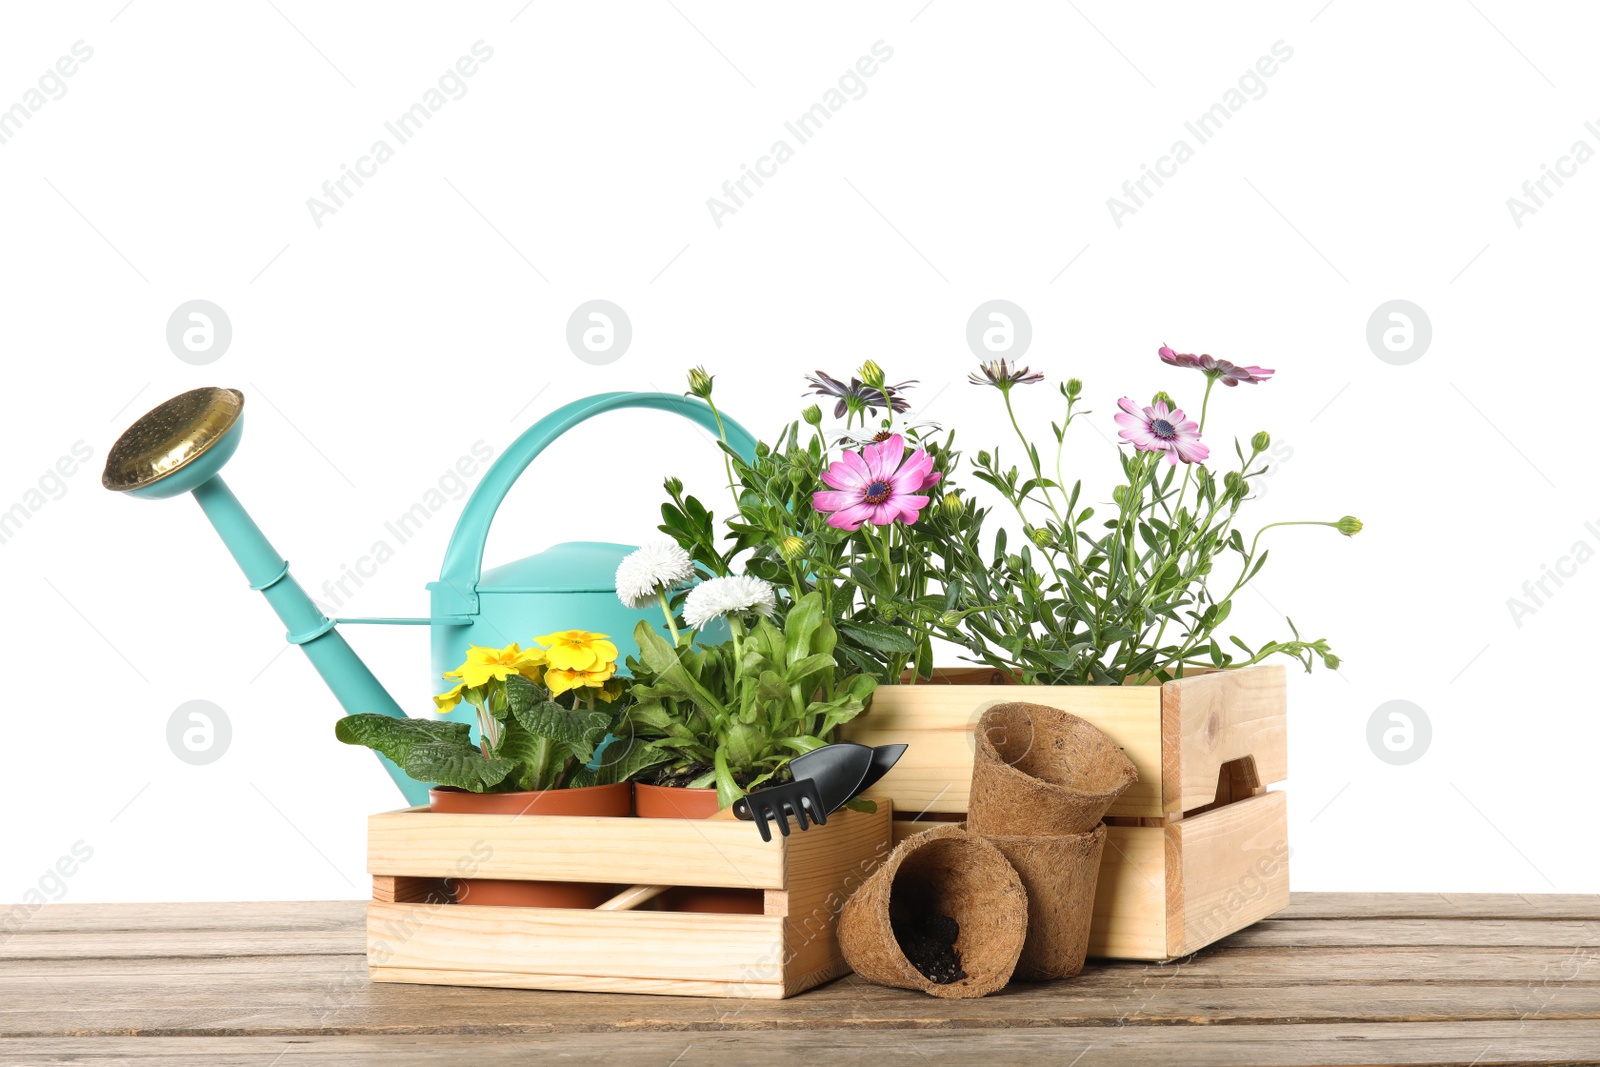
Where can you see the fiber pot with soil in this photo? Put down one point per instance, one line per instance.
(543, 730)
(945, 914)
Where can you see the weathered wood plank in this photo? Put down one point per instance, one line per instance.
(1378, 934)
(1531, 1041)
(69, 944)
(307, 1013)
(1442, 906)
(232, 915)
(333, 938)
(24, 982)
(310, 995)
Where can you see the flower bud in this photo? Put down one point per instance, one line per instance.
(1162, 398)
(1040, 537)
(951, 505)
(763, 450)
(1330, 661)
(1261, 441)
(812, 415)
(1014, 562)
(950, 618)
(1074, 387)
(673, 486)
(983, 459)
(700, 383)
(888, 612)
(791, 546)
(872, 374)
(1119, 495)
(1349, 525)
(1233, 483)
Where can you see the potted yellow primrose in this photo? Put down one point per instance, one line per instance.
(548, 717)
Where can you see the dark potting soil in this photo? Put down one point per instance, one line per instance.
(929, 941)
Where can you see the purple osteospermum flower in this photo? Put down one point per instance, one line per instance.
(1161, 429)
(1229, 374)
(870, 397)
(874, 486)
(1003, 376)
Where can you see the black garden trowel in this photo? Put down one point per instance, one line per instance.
(825, 779)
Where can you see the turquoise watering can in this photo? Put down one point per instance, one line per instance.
(182, 445)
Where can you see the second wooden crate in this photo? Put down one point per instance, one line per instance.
(1197, 847)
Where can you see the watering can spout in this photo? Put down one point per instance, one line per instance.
(181, 446)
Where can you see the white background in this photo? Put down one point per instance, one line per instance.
(429, 312)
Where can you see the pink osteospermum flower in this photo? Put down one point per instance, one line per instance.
(874, 486)
(1230, 374)
(1161, 429)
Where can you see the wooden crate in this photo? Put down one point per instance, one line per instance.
(415, 933)
(1197, 847)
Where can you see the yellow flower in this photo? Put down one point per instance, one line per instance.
(579, 650)
(497, 664)
(443, 702)
(559, 680)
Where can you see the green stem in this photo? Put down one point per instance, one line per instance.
(666, 609)
(736, 629)
(1027, 450)
(727, 464)
(1244, 575)
(1205, 402)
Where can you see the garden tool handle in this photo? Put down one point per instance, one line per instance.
(463, 559)
(633, 896)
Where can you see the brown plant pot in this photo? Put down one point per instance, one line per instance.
(675, 802)
(1041, 771)
(941, 872)
(1059, 874)
(602, 800)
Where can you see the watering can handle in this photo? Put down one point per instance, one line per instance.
(463, 560)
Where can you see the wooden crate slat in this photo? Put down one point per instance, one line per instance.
(573, 849)
(1130, 895)
(937, 721)
(745, 950)
(822, 873)
(584, 983)
(1212, 719)
(1234, 870)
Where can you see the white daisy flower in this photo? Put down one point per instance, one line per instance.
(740, 595)
(648, 570)
(862, 436)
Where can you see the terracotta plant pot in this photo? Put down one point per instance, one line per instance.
(1041, 771)
(603, 800)
(936, 877)
(675, 802)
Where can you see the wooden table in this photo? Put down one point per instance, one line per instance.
(1336, 979)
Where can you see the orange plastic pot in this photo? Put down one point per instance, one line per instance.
(673, 802)
(602, 800)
